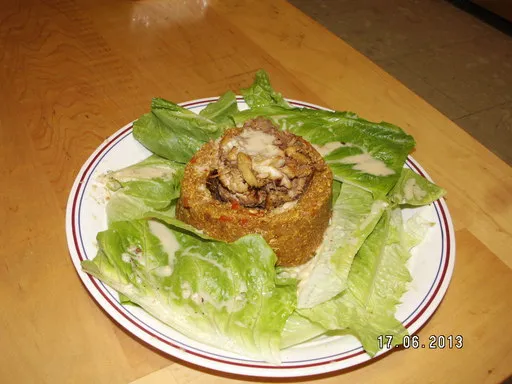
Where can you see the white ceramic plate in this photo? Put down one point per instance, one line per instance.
(431, 266)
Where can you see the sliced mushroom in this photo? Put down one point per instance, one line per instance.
(224, 143)
(303, 170)
(289, 171)
(232, 154)
(285, 182)
(245, 167)
(295, 154)
(277, 161)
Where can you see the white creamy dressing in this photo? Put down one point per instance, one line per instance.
(137, 173)
(413, 190)
(169, 245)
(328, 148)
(126, 257)
(240, 324)
(186, 289)
(203, 297)
(303, 271)
(260, 146)
(364, 162)
(352, 240)
(253, 143)
(163, 271)
(167, 239)
(196, 298)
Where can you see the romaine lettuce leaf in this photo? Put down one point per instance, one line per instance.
(299, 329)
(336, 189)
(414, 189)
(415, 230)
(379, 277)
(377, 280)
(261, 93)
(222, 110)
(174, 132)
(177, 224)
(217, 293)
(354, 217)
(150, 185)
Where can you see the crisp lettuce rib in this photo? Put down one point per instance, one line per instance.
(299, 329)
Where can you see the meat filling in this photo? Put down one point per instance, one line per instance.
(259, 166)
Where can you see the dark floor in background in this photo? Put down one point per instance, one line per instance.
(458, 63)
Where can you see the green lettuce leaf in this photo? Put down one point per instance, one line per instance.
(299, 329)
(354, 217)
(222, 110)
(336, 189)
(414, 189)
(363, 153)
(377, 280)
(261, 93)
(174, 132)
(415, 230)
(217, 293)
(150, 185)
(177, 224)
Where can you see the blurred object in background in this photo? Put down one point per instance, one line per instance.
(501, 8)
(497, 13)
(453, 53)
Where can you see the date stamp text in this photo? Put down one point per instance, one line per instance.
(414, 342)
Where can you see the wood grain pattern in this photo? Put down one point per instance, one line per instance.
(74, 71)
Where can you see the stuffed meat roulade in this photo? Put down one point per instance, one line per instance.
(258, 179)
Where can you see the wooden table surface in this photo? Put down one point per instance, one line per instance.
(74, 71)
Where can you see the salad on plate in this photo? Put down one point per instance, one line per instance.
(203, 233)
